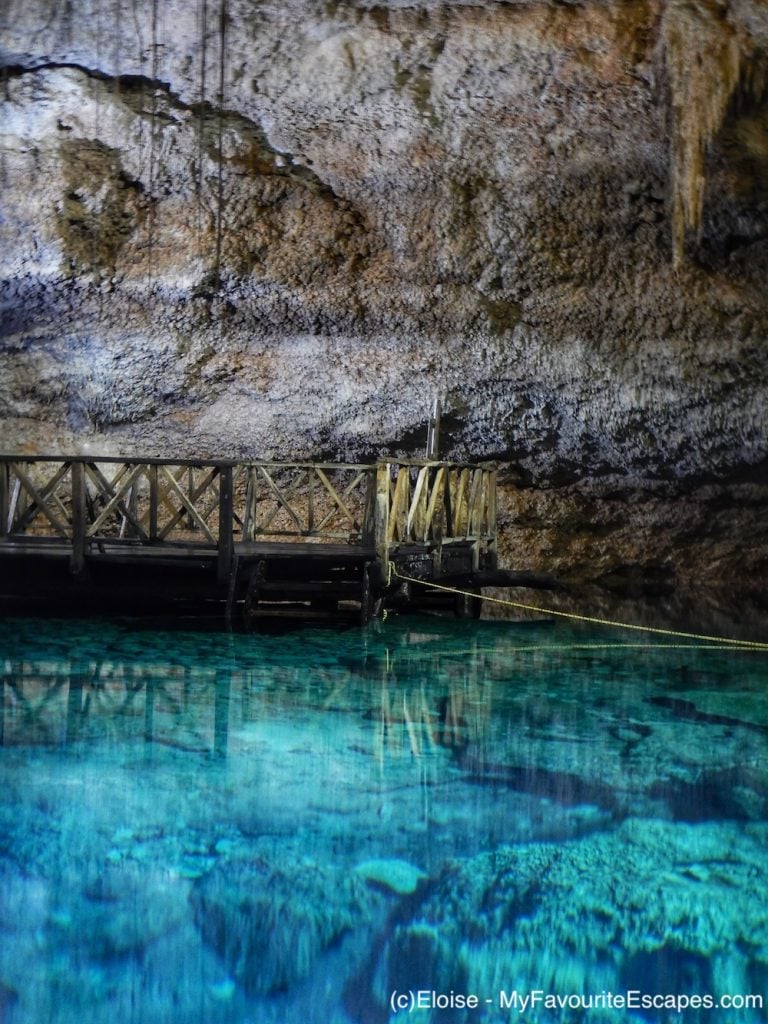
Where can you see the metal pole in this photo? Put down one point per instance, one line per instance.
(433, 432)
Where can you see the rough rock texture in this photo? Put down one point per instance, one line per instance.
(650, 905)
(277, 229)
(270, 923)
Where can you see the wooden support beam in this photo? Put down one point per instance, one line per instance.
(249, 512)
(448, 504)
(368, 536)
(491, 547)
(414, 526)
(399, 511)
(337, 500)
(39, 496)
(186, 502)
(340, 501)
(190, 524)
(110, 495)
(115, 493)
(239, 507)
(282, 499)
(381, 519)
(5, 497)
(474, 504)
(153, 503)
(194, 494)
(459, 496)
(225, 543)
(434, 527)
(79, 522)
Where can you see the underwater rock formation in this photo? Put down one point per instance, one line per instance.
(675, 762)
(276, 230)
(269, 921)
(653, 904)
(395, 875)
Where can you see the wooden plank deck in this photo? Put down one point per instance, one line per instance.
(255, 550)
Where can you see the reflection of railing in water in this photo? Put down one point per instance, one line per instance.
(61, 702)
(80, 702)
(424, 688)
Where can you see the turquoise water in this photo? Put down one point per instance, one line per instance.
(426, 820)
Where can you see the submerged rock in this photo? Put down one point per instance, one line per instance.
(397, 875)
(121, 911)
(653, 906)
(270, 922)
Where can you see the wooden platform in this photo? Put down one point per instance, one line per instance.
(258, 538)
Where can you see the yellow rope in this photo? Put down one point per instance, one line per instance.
(752, 644)
(723, 645)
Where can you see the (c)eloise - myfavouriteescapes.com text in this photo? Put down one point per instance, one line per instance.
(522, 1002)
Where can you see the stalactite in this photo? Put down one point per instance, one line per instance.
(97, 220)
(140, 140)
(220, 171)
(4, 175)
(203, 15)
(152, 144)
(704, 55)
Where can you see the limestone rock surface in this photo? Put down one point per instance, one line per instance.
(240, 228)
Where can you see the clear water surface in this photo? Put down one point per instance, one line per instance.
(321, 826)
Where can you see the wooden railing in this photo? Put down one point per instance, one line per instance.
(434, 503)
(311, 500)
(87, 504)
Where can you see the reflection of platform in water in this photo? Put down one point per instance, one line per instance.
(268, 537)
(127, 696)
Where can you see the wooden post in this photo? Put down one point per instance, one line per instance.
(381, 519)
(4, 498)
(191, 525)
(368, 536)
(247, 520)
(154, 503)
(79, 524)
(231, 593)
(366, 598)
(476, 554)
(492, 557)
(225, 524)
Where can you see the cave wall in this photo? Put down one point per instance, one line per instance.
(277, 229)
